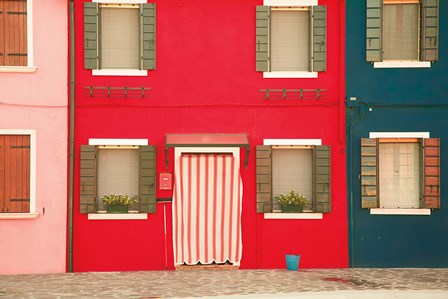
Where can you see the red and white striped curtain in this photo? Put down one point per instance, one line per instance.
(207, 209)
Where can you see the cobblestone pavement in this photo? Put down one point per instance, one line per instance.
(209, 283)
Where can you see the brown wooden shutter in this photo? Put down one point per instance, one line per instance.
(262, 38)
(147, 181)
(322, 179)
(373, 30)
(319, 38)
(88, 196)
(429, 30)
(13, 47)
(369, 173)
(90, 35)
(431, 173)
(15, 173)
(264, 178)
(148, 20)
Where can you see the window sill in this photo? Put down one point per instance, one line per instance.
(423, 212)
(18, 69)
(402, 64)
(293, 216)
(112, 72)
(18, 216)
(290, 74)
(128, 216)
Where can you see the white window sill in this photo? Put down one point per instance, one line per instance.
(128, 216)
(18, 69)
(112, 72)
(290, 2)
(290, 74)
(402, 64)
(293, 216)
(18, 216)
(424, 212)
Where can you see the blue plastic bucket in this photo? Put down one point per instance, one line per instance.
(292, 262)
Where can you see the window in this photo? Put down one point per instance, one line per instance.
(305, 168)
(15, 33)
(125, 169)
(119, 36)
(400, 173)
(402, 30)
(15, 174)
(290, 39)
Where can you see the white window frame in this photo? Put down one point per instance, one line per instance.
(290, 74)
(33, 213)
(292, 142)
(120, 72)
(29, 68)
(122, 142)
(382, 211)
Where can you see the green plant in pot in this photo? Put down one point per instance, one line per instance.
(118, 203)
(292, 202)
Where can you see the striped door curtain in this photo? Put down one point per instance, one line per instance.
(207, 209)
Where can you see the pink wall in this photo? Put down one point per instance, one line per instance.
(38, 101)
(205, 82)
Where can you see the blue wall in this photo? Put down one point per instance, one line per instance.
(400, 100)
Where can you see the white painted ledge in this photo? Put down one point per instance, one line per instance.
(18, 216)
(401, 64)
(290, 74)
(421, 212)
(18, 69)
(119, 72)
(293, 216)
(128, 216)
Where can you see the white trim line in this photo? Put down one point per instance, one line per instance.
(119, 72)
(120, 1)
(128, 216)
(18, 216)
(402, 64)
(424, 212)
(106, 141)
(292, 141)
(290, 2)
(399, 135)
(277, 74)
(293, 216)
(18, 69)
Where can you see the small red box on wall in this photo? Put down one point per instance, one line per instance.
(165, 181)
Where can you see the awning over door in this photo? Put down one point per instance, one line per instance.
(207, 140)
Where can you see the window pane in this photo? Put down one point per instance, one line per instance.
(120, 38)
(292, 169)
(399, 175)
(117, 172)
(400, 32)
(290, 40)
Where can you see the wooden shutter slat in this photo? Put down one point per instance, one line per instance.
(88, 196)
(90, 35)
(322, 179)
(2, 41)
(262, 38)
(430, 30)
(148, 21)
(147, 181)
(319, 38)
(369, 173)
(373, 33)
(14, 29)
(264, 178)
(431, 173)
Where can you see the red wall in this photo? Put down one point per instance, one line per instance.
(205, 82)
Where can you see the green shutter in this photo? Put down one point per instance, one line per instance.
(147, 179)
(322, 179)
(262, 38)
(88, 179)
(431, 173)
(264, 178)
(373, 33)
(319, 38)
(90, 35)
(148, 56)
(369, 173)
(430, 30)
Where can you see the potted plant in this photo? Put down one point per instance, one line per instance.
(118, 203)
(292, 202)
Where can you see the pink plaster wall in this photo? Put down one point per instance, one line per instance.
(38, 101)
